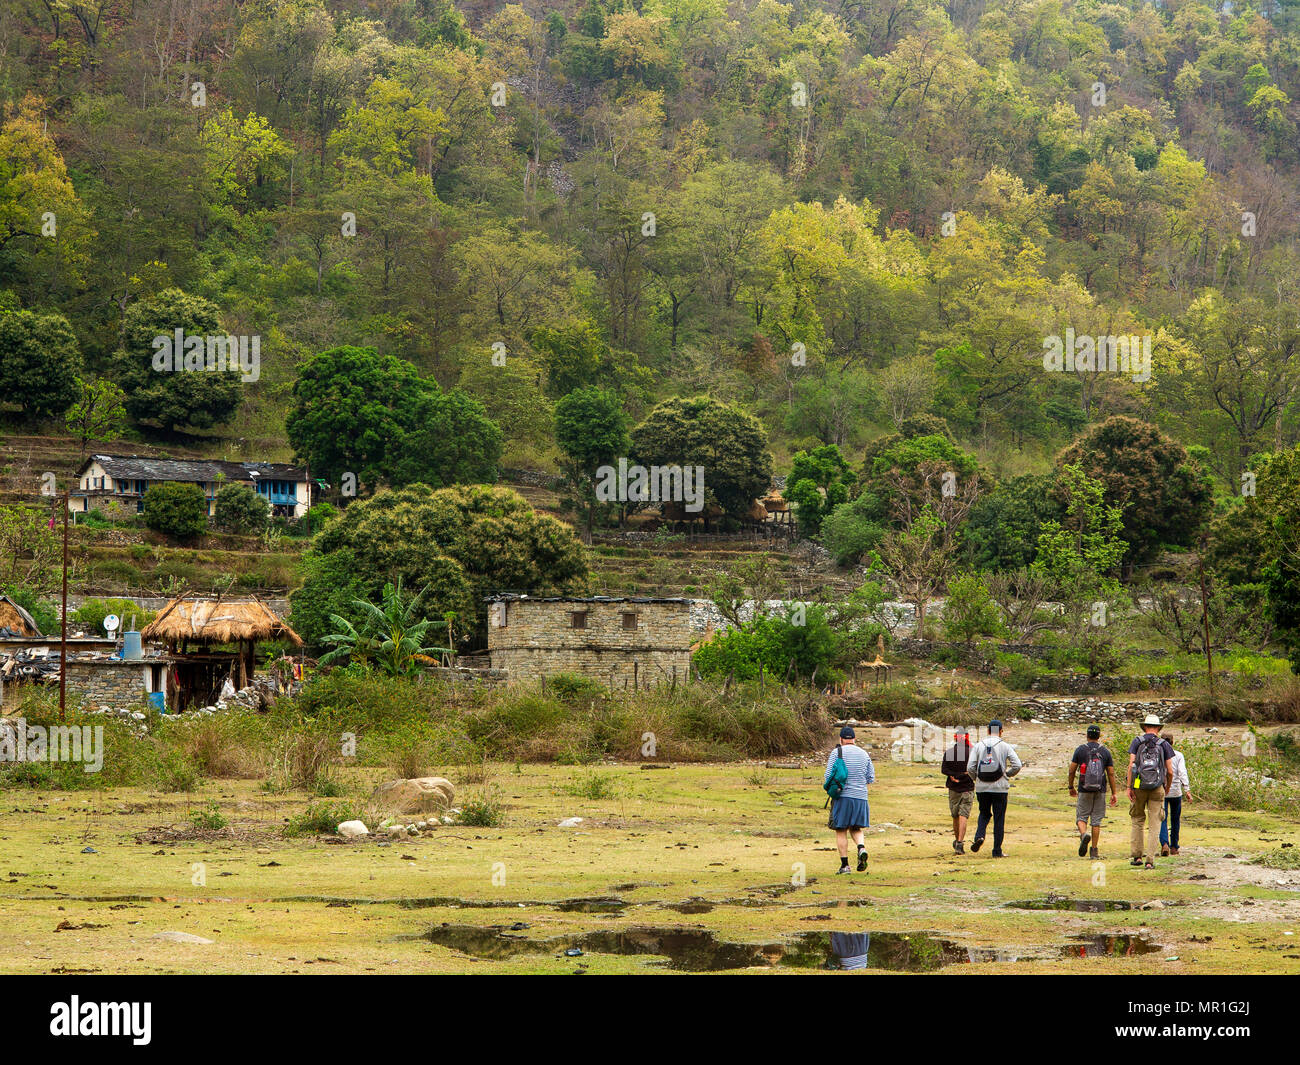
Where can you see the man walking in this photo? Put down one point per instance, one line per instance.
(1095, 766)
(1180, 788)
(961, 787)
(849, 810)
(993, 762)
(1150, 768)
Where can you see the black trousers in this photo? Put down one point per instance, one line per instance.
(992, 804)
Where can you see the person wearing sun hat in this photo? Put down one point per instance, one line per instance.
(1150, 769)
(849, 810)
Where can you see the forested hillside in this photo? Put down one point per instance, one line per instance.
(871, 226)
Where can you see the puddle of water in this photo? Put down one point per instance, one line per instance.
(1059, 902)
(690, 906)
(699, 950)
(597, 904)
(687, 949)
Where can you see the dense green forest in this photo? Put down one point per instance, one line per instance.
(862, 229)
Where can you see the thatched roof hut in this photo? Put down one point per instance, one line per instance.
(218, 621)
(16, 619)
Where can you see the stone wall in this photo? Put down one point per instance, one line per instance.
(106, 683)
(538, 639)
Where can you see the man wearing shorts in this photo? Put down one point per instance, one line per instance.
(1090, 804)
(961, 787)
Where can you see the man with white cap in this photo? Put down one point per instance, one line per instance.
(1150, 769)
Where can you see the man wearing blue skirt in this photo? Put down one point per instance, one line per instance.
(849, 812)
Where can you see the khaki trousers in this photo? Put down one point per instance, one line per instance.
(1148, 807)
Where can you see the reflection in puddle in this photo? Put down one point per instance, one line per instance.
(699, 950)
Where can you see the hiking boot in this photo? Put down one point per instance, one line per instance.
(997, 853)
(1093, 853)
(862, 861)
(842, 870)
(959, 846)
(976, 844)
(1083, 844)
(1173, 851)
(1164, 850)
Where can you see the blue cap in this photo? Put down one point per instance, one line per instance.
(847, 733)
(995, 724)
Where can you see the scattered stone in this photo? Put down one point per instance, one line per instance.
(89, 850)
(352, 829)
(571, 822)
(1154, 904)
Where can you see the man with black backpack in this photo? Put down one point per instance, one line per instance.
(993, 762)
(1095, 766)
(961, 786)
(1150, 768)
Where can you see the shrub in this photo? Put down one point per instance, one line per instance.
(591, 785)
(239, 509)
(773, 645)
(482, 811)
(320, 817)
(969, 610)
(210, 819)
(574, 689)
(176, 510)
(92, 613)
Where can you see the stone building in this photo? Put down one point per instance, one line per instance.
(634, 642)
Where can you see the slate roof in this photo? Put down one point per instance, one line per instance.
(136, 467)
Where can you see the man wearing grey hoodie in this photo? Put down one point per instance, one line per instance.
(993, 762)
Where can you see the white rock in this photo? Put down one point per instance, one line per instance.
(571, 822)
(396, 831)
(180, 937)
(352, 829)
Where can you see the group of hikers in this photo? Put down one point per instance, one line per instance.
(980, 774)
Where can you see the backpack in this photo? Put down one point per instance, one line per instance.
(954, 763)
(988, 768)
(1149, 765)
(839, 776)
(1094, 772)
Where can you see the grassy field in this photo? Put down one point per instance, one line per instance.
(697, 867)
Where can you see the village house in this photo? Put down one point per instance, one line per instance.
(198, 631)
(188, 656)
(126, 478)
(634, 642)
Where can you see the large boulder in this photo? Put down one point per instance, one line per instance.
(418, 795)
(353, 829)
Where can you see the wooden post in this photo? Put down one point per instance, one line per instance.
(635, 671)
(63, 629)
(1205, 622)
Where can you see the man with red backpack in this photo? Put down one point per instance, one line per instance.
(1150, 769)
(1095, 766)
(960, 785)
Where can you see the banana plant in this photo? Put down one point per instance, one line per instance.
(390, 634)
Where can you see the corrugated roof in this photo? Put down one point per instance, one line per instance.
(138, 467)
